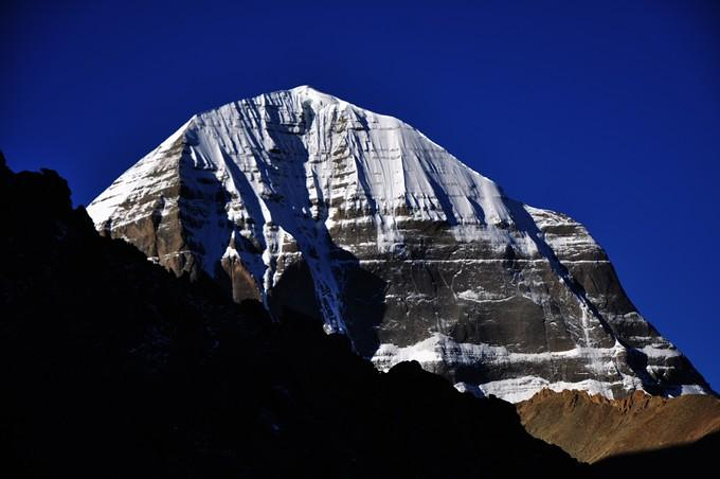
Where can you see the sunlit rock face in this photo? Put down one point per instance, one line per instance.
(310, 203)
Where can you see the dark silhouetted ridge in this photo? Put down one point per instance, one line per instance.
(113, 367)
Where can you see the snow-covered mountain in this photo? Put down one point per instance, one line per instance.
(307, 202)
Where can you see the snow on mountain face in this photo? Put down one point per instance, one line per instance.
(307, 202)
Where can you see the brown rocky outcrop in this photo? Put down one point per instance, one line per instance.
(591, 428)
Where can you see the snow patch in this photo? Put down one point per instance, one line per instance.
(523, 388)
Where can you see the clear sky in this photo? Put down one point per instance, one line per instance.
(608, 111)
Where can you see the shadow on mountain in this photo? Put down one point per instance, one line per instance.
(318, 283)
(112, 367)
(362, 296)
(357, 293)
(698, 458)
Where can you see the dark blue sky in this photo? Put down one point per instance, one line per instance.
(608, 111)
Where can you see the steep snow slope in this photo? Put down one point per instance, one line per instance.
(308, 202)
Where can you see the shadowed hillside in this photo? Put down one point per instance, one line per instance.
(112, 367)
(699, 459)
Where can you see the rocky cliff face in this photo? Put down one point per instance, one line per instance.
(313, 204)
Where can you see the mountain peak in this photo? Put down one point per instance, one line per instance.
(311, 96)
(308, 90)
(361, 221)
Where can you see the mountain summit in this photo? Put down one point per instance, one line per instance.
(309, 203)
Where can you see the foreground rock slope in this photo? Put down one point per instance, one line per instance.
(309, 203)
(593, 428)
(111, 367)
